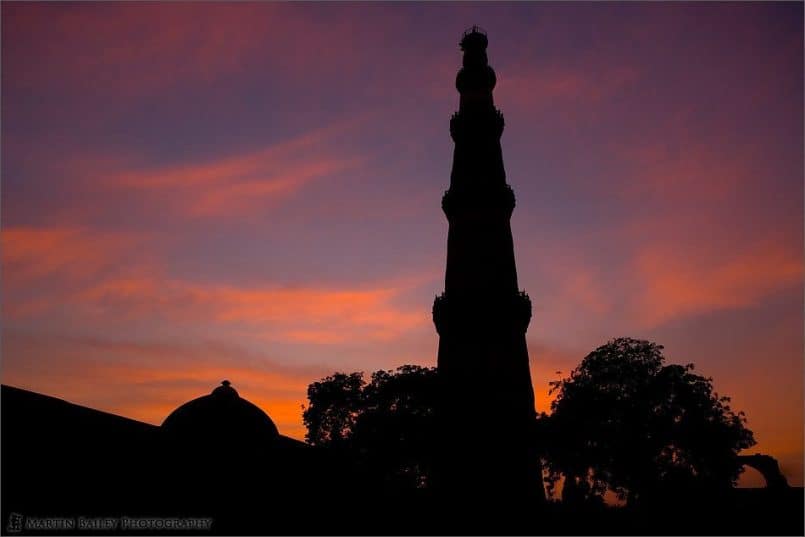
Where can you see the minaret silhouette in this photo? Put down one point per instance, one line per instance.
(488, 401)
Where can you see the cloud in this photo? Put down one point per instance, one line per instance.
(86, 273)
(230, 185)
(234, 186)
(32, 253)
(671, 170)
(133, 190)
(175, 44)
(185, 46)
(670, 286)
(526, 88)
(146, 380)
(294, 314)
(41, 265)
(657, 283)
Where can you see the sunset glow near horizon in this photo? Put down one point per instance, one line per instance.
(199, 191)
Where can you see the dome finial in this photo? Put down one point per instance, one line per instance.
(225, 389)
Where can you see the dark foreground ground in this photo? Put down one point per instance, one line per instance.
(751, 513)
(68, 469)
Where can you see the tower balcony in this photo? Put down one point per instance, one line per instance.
(477, 125)
(440, 312)
(522, 310)
(496, 199)
(508, 311)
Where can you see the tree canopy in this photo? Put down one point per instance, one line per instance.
(626, 422)
(386, 423)
(623, 421)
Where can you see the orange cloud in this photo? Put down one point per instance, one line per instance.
(668, 264)
(31, 253)
(88, 274)
(672, 285)
(41, 265)
(146, 381)
(303, 314)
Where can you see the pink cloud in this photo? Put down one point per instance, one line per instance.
(526, 89)
(228, 186)
(141, 50)
(680, 171)
(671, 285)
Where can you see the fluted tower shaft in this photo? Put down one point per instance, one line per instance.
(482, 316)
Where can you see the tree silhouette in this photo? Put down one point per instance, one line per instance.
(626, 422)
(387, 423)
(335, 403)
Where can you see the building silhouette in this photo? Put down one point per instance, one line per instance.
(218, 457)
(482, 316)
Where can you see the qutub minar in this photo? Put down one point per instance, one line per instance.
(482, 316)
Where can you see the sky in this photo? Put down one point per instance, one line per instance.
(194, 192)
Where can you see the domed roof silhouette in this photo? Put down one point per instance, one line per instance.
(221, 417)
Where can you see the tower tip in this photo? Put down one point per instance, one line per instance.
(473, 37)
